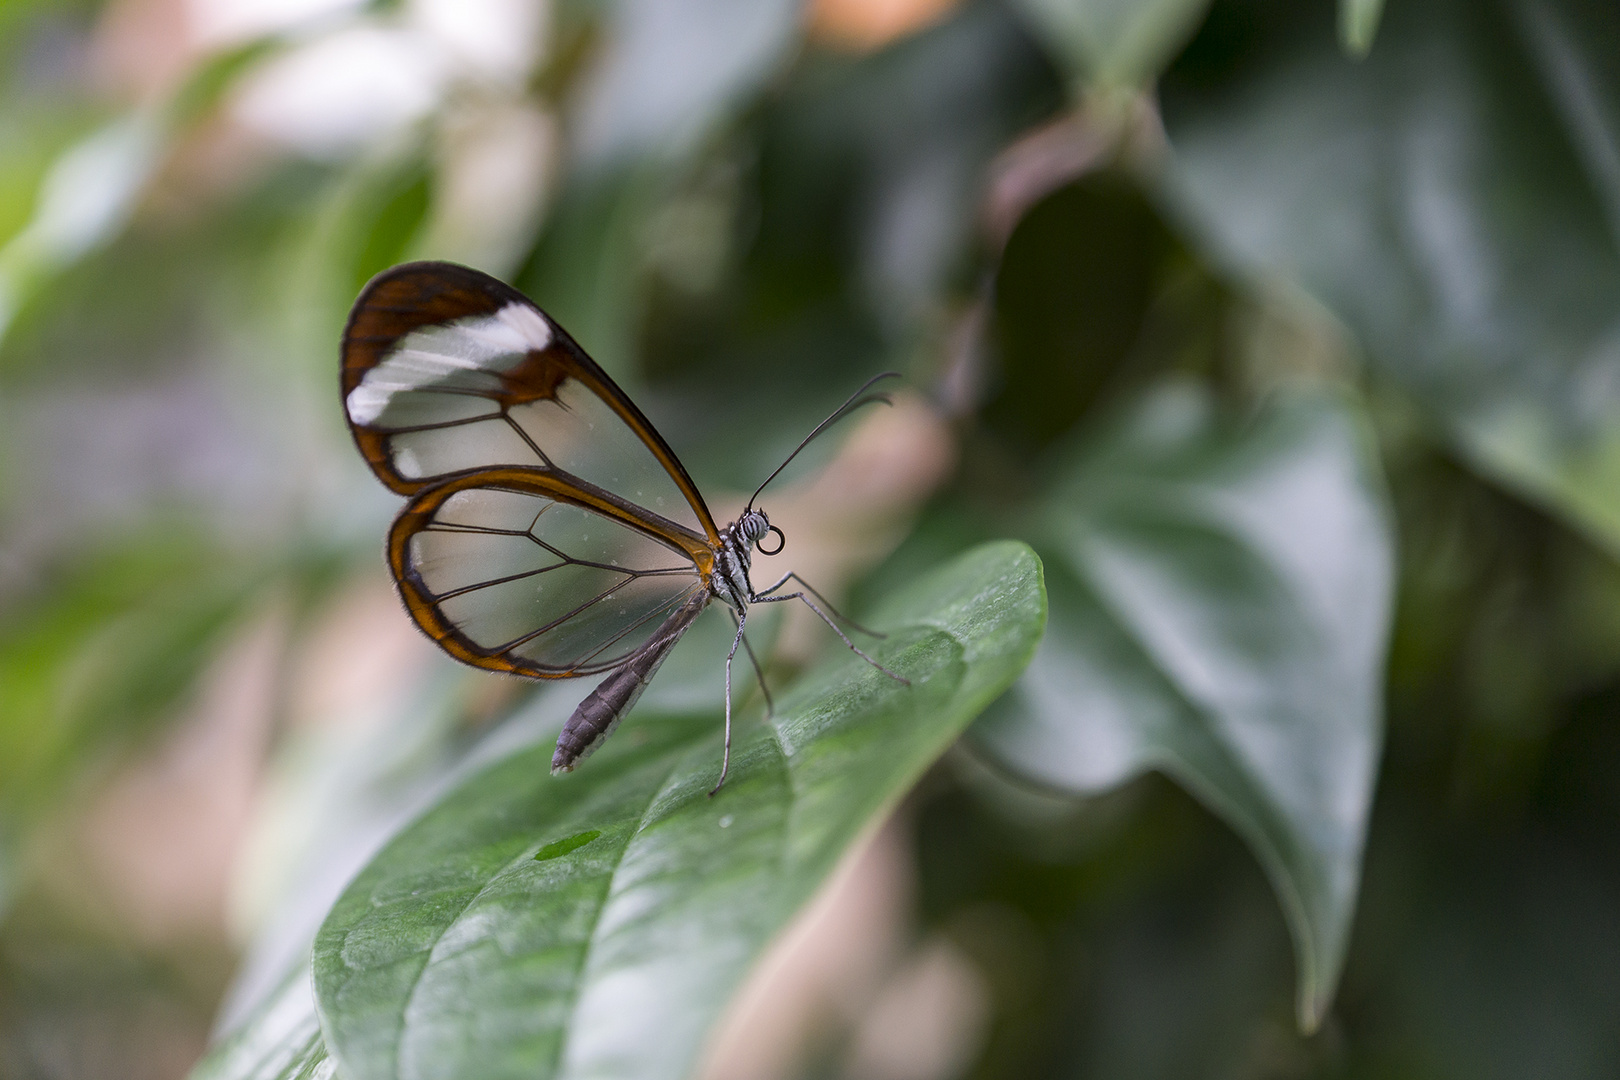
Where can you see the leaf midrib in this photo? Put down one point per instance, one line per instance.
(607, 894)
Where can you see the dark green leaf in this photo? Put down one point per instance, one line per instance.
(1455, 198)
(397, 213)
(587, 269)
(559, 848)
(1079, 307)
(211, 80)
(457, 954)
(1220, 605)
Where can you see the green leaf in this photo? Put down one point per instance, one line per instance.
(208, 83)
(1454, 198)
(1358, 25)
(1117, 43)
(1080, 278)
(457, 954)
(1220, 603)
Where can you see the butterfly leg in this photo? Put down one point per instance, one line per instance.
(811, 589)
(759, 672)
(725, 759)
(762, 598)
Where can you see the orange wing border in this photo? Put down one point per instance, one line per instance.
(423, 607)
(417, 294)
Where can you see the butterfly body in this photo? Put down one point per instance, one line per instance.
(550, 531)
(729, 581)
(599, 714)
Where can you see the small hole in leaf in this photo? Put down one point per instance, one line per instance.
(566, 844)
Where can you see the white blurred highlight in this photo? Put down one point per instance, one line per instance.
(223, 23)
(669, 68)
(344, 90)
(85, 199)
(362, 83)
(495, 41)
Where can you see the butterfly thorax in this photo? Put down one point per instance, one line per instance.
(730, 580)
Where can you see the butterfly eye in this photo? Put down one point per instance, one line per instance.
(759, 545)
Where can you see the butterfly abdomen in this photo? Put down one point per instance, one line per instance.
(602, 710)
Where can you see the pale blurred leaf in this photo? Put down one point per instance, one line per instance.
(83, 200)
(669, 68)
(281, 1040)
(92, 189)
(106, 648)
(1358, 24)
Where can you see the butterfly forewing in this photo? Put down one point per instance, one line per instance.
(446, 370)
(508, 572)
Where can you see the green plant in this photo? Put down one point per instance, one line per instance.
(1248, 533)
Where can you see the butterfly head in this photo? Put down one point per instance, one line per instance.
(752, 528)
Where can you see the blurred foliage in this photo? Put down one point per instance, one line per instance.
(101, 654)
(1454, 197)
(1284, 333)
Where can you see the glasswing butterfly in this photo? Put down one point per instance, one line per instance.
(551, 532)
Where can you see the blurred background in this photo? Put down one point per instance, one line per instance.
(1287, 330)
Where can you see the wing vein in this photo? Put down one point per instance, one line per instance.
(662, 609)
(439, 598)
(524, 639)
(439, 425)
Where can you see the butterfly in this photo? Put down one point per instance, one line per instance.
(551, 532)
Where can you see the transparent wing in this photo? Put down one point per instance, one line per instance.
(518, 571)
(447, 370)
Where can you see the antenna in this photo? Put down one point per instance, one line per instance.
(855, 401)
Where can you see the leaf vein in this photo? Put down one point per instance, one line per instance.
(607, 894)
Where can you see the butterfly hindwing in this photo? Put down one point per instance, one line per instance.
(516, 571)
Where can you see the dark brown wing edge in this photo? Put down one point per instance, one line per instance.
(605, 706)
(413, 295)
(422, 605)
